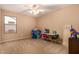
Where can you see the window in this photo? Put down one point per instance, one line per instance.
(10, 23)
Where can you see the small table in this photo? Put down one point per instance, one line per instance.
(54, 38)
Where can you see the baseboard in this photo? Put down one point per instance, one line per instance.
(5, 41)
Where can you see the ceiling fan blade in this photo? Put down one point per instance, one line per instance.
(26, 10)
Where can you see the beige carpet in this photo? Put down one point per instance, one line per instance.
(27, 46)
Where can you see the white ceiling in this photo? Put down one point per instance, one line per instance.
(22, 9)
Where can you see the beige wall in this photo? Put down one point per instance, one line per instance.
(0, 24)
(58, 19)
(24, 26)
(54, 21)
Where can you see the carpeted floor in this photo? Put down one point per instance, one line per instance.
(32, 46)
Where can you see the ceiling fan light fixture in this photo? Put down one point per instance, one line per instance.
(34, 9)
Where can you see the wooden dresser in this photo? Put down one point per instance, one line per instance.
(73, 46)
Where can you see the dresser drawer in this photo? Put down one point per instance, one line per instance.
(74, 46)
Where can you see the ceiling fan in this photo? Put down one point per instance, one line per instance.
(34, 9)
